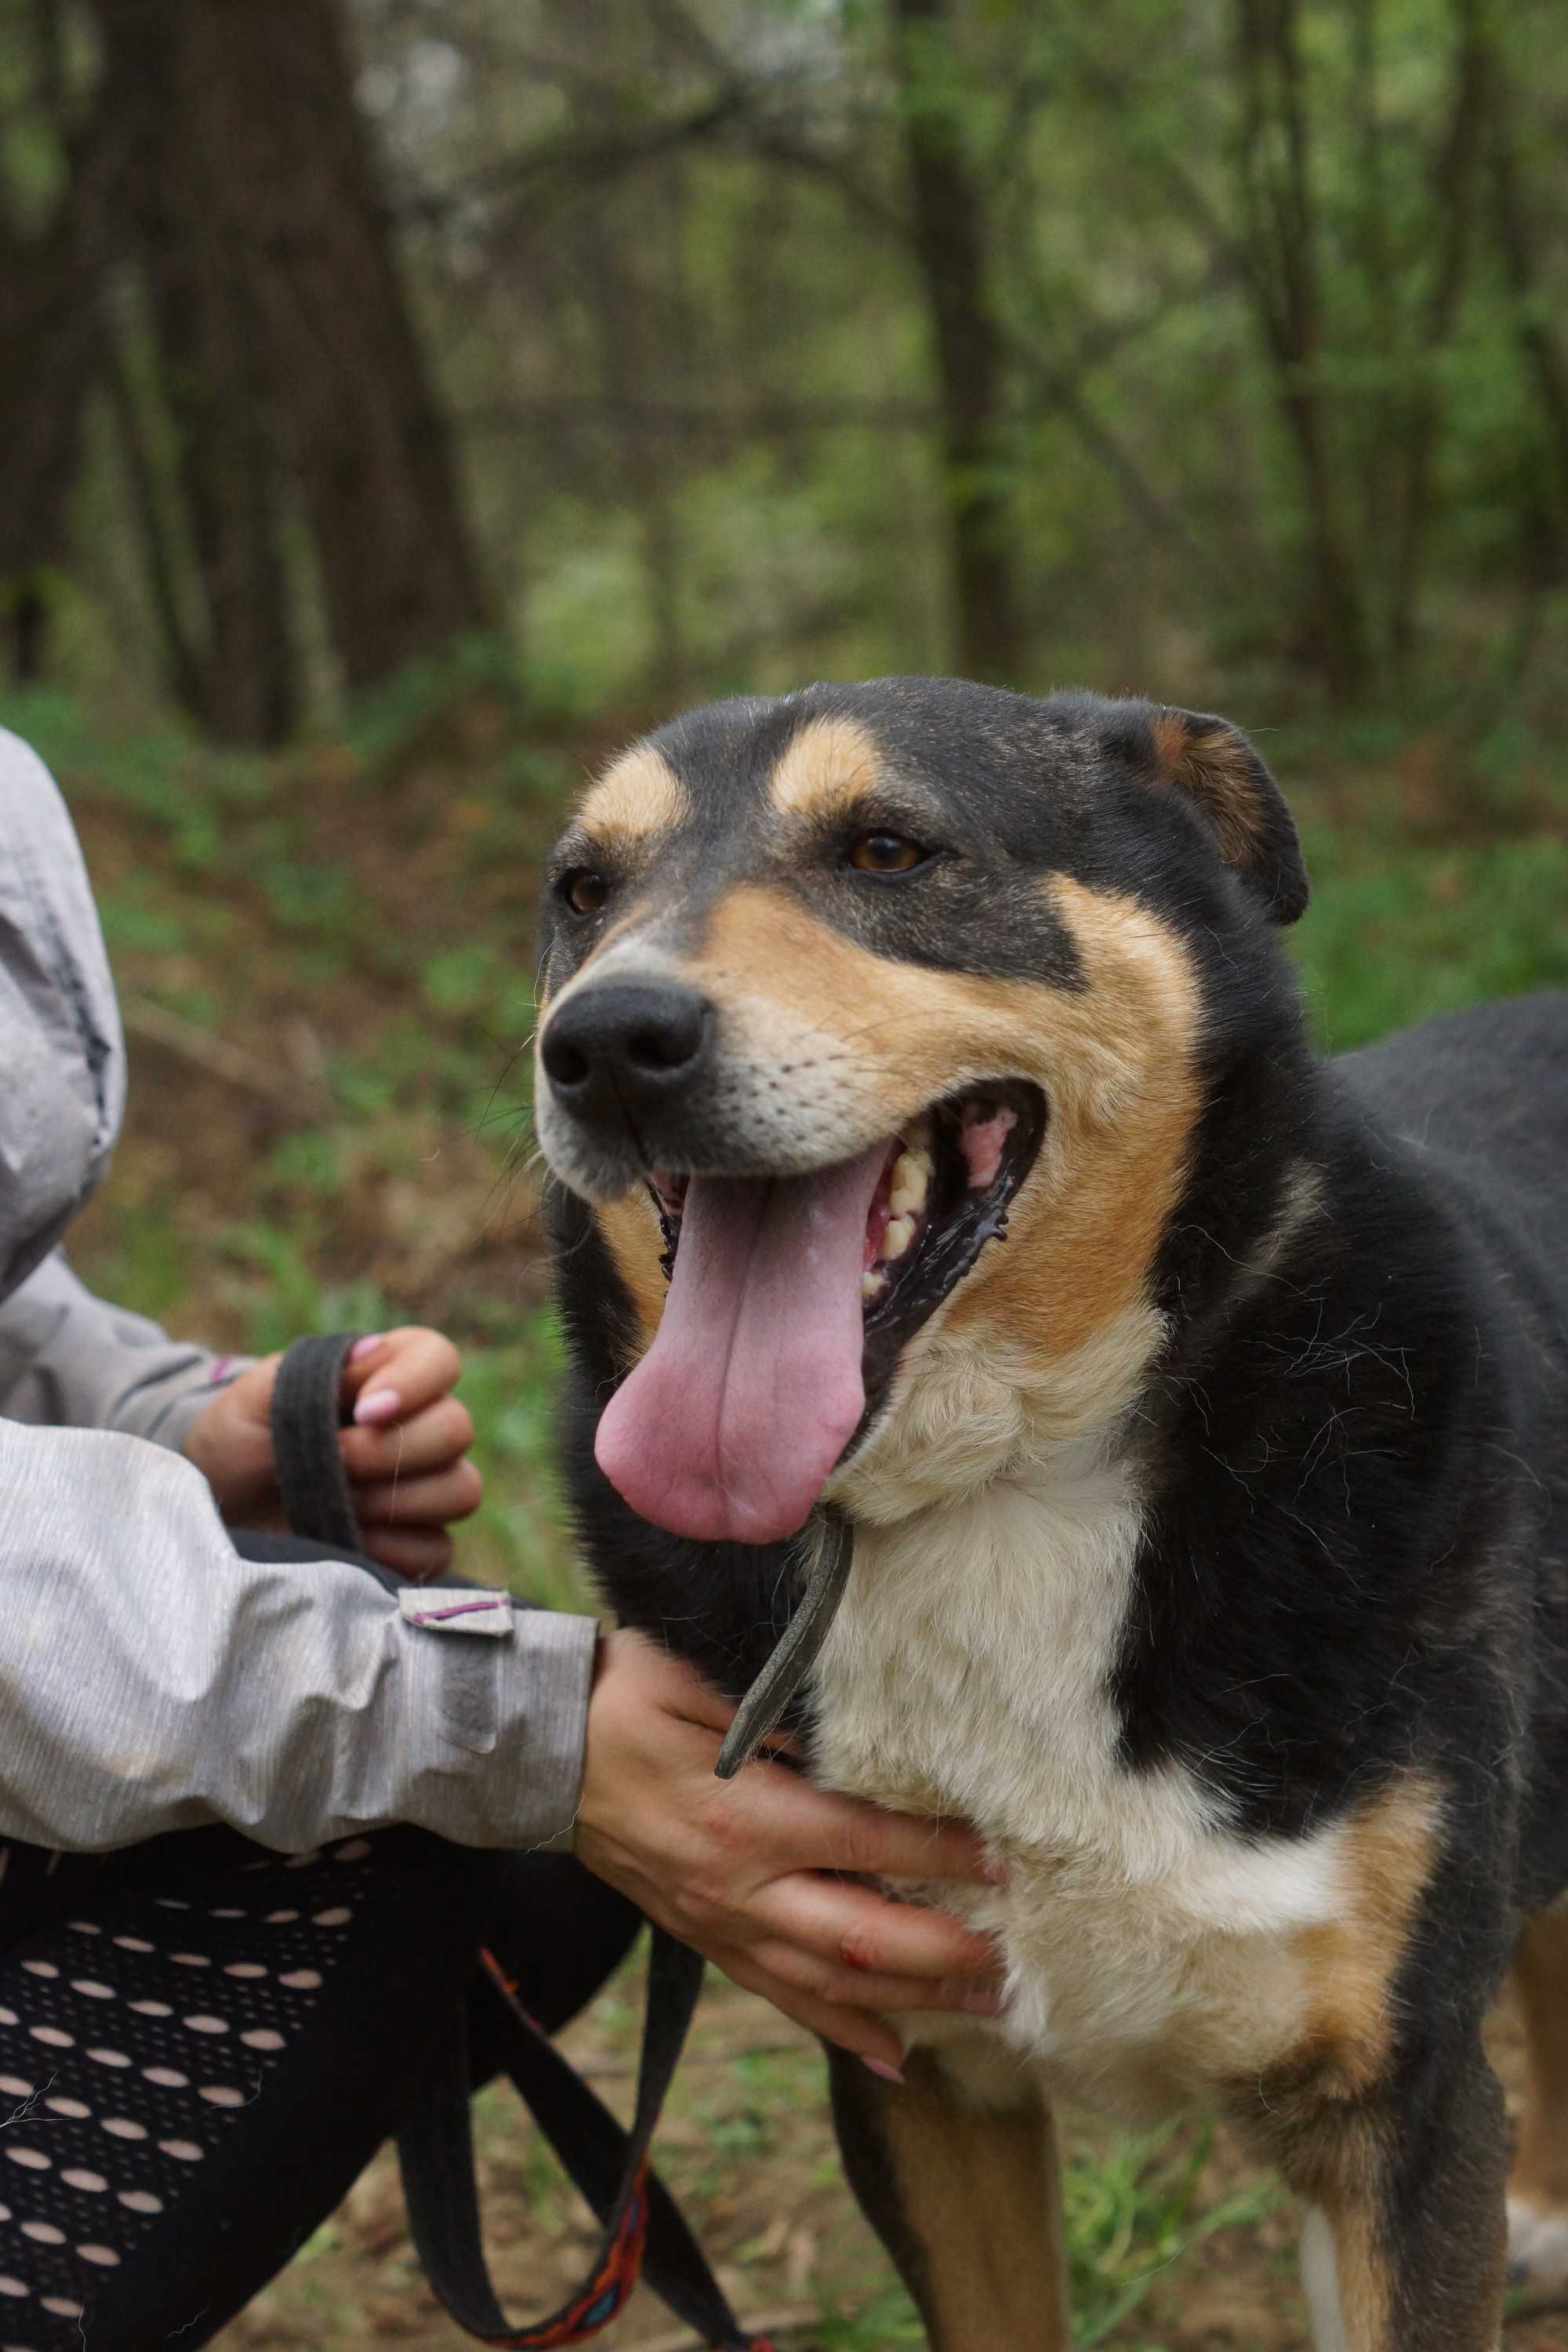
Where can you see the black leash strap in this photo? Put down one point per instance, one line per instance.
(643, 2225)
(307, 1414)
(798, 1648)
(643, 2228)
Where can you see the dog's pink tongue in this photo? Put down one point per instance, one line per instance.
(731, 1422)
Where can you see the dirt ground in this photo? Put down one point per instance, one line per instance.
(749, 2149)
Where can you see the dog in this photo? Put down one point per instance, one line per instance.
(935, 1134)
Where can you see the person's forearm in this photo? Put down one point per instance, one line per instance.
(68, 1359)
(152, 1680)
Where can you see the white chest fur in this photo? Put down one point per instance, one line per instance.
(1150, 1951)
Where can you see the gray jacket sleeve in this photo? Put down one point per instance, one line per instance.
(70, 1361)
(152, 1680)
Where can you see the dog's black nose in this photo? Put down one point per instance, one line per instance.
(626, 1045)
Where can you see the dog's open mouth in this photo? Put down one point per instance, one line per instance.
(791, 1299)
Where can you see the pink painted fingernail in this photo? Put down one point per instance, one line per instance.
(362, 1347)
(379, 1405)
(997, 1873)
(880, 2066)
(984, 2004)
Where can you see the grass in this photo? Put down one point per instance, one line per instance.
(1394, 941)
(353, 924)
(1135, 2209)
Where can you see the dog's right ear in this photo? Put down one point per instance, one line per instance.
(1219, 772)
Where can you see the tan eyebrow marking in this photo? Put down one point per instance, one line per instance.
(826, 769)
(637, 796)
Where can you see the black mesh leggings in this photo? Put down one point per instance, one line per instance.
(202, 2044)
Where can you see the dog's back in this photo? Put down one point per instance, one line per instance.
(1484, 1093)
(1481, 1097)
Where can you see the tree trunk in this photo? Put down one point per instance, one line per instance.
(949, 245)
(232, 486)
(1452, 181)
(1283, 278)
(51, 326)
(1514, 228)
(238, 675)
(284, 323)
(1372, 244)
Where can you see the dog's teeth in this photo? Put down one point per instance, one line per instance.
(872, 1283)
(901, 1232)
(912, 1182)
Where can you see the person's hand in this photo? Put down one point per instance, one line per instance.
(405, 1452)
(740, 1868)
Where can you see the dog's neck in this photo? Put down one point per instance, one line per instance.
(971, 1411)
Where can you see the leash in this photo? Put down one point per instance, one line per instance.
(796, 1650)
(644, 2230)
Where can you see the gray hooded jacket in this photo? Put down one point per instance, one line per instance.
(150, 1679)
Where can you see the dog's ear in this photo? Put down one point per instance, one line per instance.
(1219, 772)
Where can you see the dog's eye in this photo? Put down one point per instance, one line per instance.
(885, 852)
(583, 890)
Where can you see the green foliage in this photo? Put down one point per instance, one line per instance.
(1133, 2210)
(885, 2320)
(383, 720)
(742, 479)
(141, 1265)
(165, 775)
(1440, 929)
(511, 1388)
(282, 1295)
(1274, 337)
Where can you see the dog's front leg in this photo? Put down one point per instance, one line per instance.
(965, 2197)
(1538, 2200)
(1402, 2236)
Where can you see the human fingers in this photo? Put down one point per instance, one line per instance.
(865, 2036)
(708, 1871)
(914, 1847)
(845, 1987)
(807, 1828)
(851, 1928)
(413, 1365)
(230, 1441)
(432, 1501)
(430, 1440)
(417, 1553)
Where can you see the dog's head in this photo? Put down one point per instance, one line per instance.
(839, 985)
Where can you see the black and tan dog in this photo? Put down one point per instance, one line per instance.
(937, 1134)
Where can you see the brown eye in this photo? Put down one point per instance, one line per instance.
(885, 852)
(583, 890)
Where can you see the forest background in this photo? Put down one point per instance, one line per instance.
(403, 401)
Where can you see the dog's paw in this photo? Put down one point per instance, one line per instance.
(1537, 2243)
